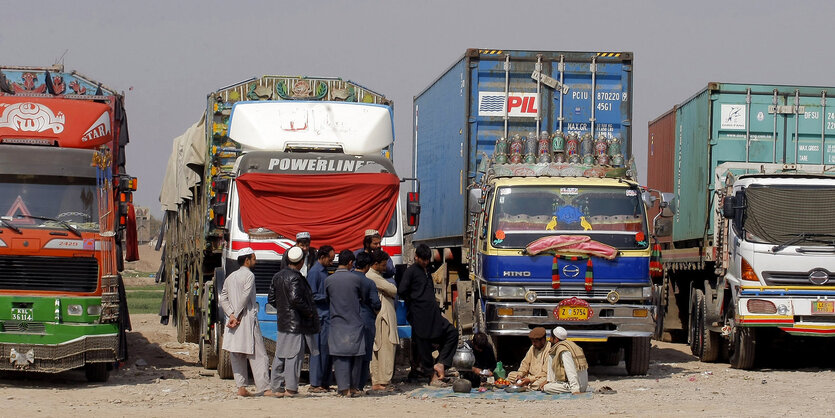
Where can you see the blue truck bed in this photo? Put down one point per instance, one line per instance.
(462, 114)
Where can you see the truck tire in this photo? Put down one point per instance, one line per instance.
(636, 356)
(96, 372)
(744, 348)
(659, 300)
(694, 322)
(224, 363)
(709, 339)
(208, 350)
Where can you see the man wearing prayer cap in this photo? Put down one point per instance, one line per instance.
(303, 242)
(567, 366)
(533, 370)
(298, 324)
(242, 337)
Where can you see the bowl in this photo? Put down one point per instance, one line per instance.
(514, 389)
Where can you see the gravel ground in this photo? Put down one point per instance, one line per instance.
(163, 378)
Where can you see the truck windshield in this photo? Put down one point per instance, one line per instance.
(26, 199)
(610, 215)
(789, 215)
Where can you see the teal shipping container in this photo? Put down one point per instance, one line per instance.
(727, 122)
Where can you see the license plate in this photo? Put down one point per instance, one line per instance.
(823, 307)
(573, 313)
(22, 314)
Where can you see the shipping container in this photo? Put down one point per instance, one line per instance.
(489, 94)
(735, 123)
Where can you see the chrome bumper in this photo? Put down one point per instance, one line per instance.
(616, 321)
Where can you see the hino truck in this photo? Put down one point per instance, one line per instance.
(271, 157)
(749, 247)
(66, 222)
(535, 210)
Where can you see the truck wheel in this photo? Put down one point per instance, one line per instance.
(636, 356)
(208, 350)
(709, 340)
(611, 357)
(224, 363)
(96, 372)
(659, 300)
(743, 348)
(694, 323)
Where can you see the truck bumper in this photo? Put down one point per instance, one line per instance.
(798, 312)
(606, 320)
(54, 358)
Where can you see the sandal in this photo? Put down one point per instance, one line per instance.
(438, 383)
(317, 389)
(607, 390)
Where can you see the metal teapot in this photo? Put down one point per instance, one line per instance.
(464, 357)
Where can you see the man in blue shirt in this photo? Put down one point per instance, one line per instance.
(321, 365)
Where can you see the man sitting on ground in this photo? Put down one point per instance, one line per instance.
(567, 366)
(533, 370)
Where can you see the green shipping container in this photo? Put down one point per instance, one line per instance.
(741, 123)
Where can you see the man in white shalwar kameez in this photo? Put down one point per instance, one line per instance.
(567, 366)
(242, 337)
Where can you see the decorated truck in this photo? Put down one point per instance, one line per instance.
(534, 208)
(271, 157)
(66, 222)
(747, 224)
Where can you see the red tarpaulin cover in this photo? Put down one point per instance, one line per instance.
(335, 208)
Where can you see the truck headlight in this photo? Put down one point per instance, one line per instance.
(782, 310)
(505, 292)
(94, 310)
(75, 310)
(646, 292)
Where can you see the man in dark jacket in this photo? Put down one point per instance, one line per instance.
(346, 338)
(303, 242)
(298, 323)
(321, 366)
(368, 311)
(424, 314)
(371, 242)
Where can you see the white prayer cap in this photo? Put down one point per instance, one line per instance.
(245, 251)
(303, 235)
(560, 333)
(370, 232)
(294, 254)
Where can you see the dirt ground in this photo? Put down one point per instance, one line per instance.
(163, 378)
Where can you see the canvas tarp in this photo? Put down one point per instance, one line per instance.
(185, 166)
(335, 208)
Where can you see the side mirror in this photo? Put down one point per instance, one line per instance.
(663, 227)
(474, 201)
(668, 201)
(413, 209)
(728, 207)
(648, 199)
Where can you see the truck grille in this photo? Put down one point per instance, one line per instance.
(777, 278)
(25, 327)
(568, 293)
(264, 272)
(69, 274)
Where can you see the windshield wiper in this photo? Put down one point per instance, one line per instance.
(804, 236)
(65, 224)
(5, 220)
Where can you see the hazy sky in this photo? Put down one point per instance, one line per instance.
(174, 52)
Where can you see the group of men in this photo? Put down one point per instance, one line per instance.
(345, 320)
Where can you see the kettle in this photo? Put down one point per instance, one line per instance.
(464, 357)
